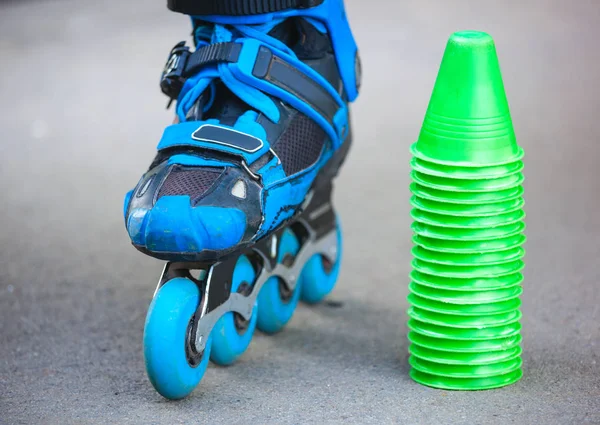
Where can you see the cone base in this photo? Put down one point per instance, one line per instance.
(465, 371)
(465, 384)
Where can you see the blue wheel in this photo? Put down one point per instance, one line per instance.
(232, 334)
(276, 304)
(172, 366)
(319, 275)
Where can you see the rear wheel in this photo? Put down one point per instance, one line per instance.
(319, 275)
(276, 303)
(232, 334)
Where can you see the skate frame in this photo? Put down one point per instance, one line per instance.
(316, 229)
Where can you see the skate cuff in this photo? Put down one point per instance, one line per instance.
(330, 12)
(237, 7)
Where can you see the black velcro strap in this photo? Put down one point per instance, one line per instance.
(211, 54)
(237, 7)
(287, 77)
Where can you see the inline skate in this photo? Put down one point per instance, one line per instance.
(238, 198)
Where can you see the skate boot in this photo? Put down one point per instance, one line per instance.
(238, 198)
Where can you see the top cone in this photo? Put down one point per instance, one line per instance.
(468, 122)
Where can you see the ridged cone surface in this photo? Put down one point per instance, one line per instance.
(468, 121)
(465, 288)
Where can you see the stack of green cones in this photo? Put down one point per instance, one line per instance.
(464, 328)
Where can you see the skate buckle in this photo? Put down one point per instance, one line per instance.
(172, 79)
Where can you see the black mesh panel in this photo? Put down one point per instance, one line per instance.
(189, 181)
(300, 145)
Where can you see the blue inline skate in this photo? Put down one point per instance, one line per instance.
(238, 198)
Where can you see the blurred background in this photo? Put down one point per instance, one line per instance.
(80, 118)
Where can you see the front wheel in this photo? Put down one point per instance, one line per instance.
(174, 369)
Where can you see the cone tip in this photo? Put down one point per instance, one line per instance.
(471, 39)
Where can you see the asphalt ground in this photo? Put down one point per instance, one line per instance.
(80, 117)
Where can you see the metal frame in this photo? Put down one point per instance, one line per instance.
(316, 228)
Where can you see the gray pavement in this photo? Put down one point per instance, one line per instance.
(80, 117)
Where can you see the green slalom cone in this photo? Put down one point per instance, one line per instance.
(467, 174)
(468, 121)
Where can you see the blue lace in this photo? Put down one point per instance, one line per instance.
(207, 77)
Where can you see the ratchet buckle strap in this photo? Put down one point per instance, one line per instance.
(182, 63)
